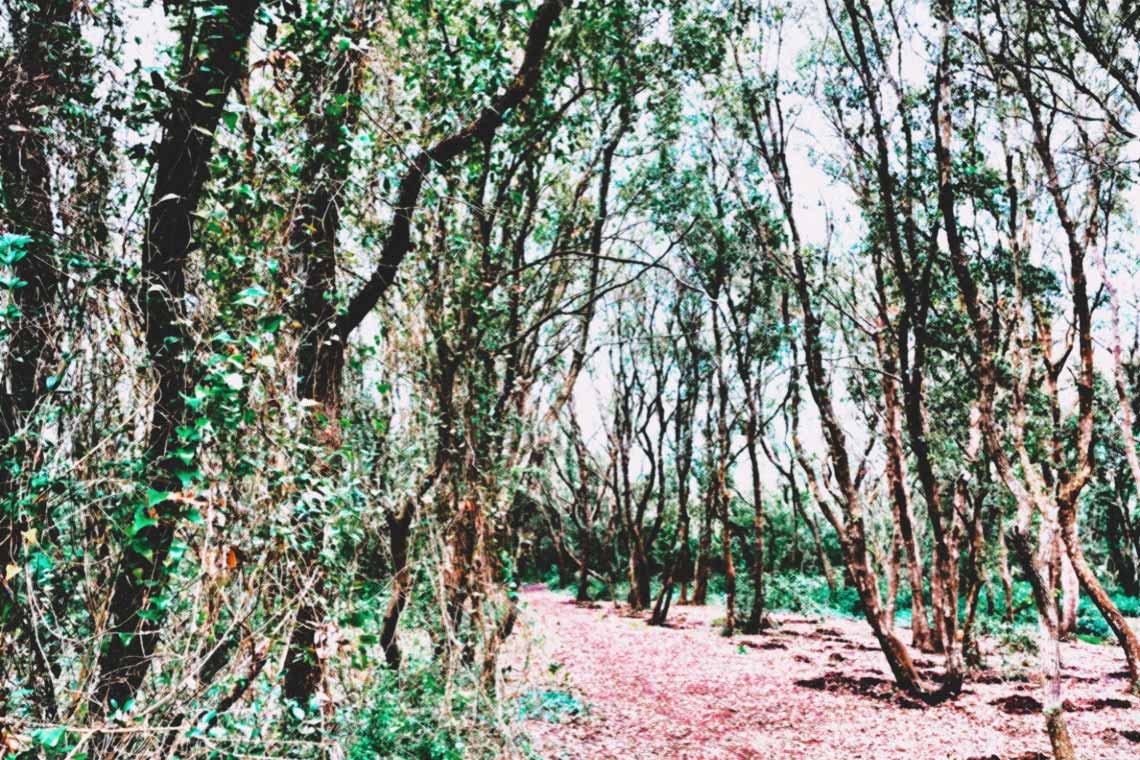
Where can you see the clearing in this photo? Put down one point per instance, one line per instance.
(600, 683)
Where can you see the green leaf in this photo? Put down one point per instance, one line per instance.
(49, 737)
(251, 296)
(142, 521)
(154, 497)
(271, 324)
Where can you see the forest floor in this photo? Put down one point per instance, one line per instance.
(595, 682)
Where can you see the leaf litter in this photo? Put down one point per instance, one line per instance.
(685, 692)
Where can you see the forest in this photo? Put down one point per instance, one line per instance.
(569, 379)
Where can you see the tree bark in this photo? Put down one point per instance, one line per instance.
(755, 621)
(1072, 483)
(182, 168)
(922, 637)
(483, 128)
(680, 571)
(36, 80)
(322, 352)
(722, 496)
(320, 364)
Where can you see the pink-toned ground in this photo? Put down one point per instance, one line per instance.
(687, 692)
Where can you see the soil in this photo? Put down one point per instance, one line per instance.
(808, 689)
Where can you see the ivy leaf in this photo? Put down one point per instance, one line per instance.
(251, 296)
(12, 247)
(142, 521)
(154, 497)
(48, 737)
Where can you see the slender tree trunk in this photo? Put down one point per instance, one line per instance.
(921, 635)
(704, 552)
(181, 172)
(891, 603)
(756, 615)
(1092, 586)
(722, 496)
(793, 483)
(1117, 520)
(320, 356)
(1071, 484)
(583, 594)
(972, 571)
(33, 83)
(1070, 586)
(851, 533)
(398, 535)
(1003, 566)
(1119, 547)
(1050, 652)
(323, 345)
(680, 571)
(729, 626)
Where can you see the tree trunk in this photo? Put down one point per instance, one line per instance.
(642, 577)
(1118, 524)
(721, 496)
(755, 620)
(1119, 547)
(1070, 595)
(729, 626)
(680, 571)
(1003, 567)
(704, 554)
(34, 89)
(320, 355)
(398, 534)
(583, 594)
(1108, 610)
(891, 603)
(1053, 704)
(1071, 484)
(181, 172)
(921, 635)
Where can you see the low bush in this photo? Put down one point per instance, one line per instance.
(413, 716)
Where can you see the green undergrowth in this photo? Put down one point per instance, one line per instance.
(413, 715)
(551, 705)
(800, 593)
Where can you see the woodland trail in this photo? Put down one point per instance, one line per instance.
(685, 692)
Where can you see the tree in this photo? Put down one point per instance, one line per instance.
(213, 61)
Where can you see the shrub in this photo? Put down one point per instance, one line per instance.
(794, 592)
(551, 579)
(409, 719)
(1017, 639)
(1090, 623)
(1129, 606)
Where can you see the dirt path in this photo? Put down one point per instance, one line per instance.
(687, 692)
